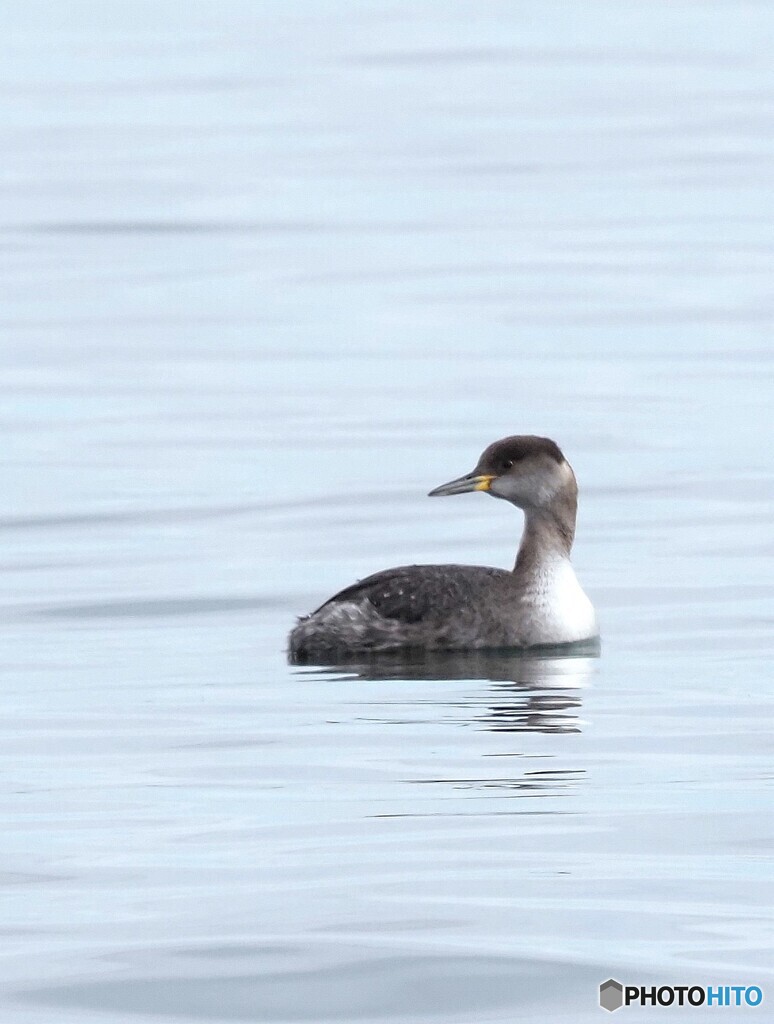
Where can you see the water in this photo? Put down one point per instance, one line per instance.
(269, 273)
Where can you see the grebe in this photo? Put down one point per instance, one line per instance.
(470, 607)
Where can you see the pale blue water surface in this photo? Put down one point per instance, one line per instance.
(269, 272)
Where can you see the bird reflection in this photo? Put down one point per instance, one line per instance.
(538, 690)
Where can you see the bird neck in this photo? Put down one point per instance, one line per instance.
(549, 531)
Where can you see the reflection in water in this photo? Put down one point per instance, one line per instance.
(536, 691)
(522, 710)
(532, 691)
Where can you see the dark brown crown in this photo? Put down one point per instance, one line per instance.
(500, 456)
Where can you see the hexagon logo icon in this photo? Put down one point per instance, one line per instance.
(611, 995)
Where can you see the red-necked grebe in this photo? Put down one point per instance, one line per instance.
(468, 607)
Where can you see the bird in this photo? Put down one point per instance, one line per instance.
(469, 607)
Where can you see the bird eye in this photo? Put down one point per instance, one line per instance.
(507, 463)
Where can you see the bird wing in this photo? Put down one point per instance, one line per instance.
(414, 593)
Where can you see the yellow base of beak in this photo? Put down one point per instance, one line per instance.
(464, 484)
(483, 483)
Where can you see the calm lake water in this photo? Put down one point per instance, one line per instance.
(269, 272)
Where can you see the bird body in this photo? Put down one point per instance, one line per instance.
(466, 607)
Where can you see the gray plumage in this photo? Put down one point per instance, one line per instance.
(416, 606)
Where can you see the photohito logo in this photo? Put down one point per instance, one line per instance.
(613, 995)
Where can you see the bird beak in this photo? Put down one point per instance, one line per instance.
(471, 482)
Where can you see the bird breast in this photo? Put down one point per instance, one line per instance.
(554, 606)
